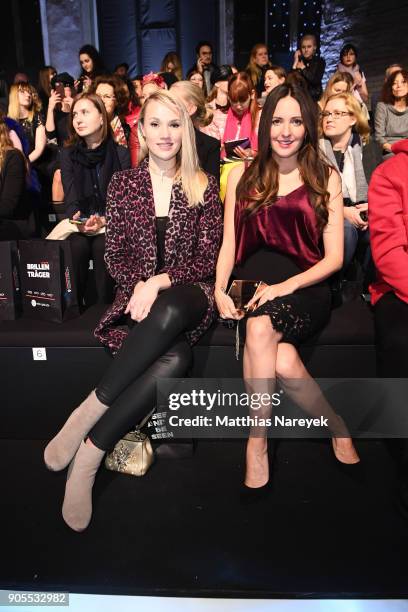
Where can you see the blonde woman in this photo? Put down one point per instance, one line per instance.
(24, 107)
(208, 147)
(345, 132)
(257, 66)
(164, 268)
(339, 82)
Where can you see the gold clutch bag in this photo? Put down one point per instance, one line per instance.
(133, 455)
(241, 291)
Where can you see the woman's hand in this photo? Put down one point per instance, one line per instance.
(92, 225)
(143, 298)
(387, 147)
(270, 292)
(226, 306)
(55, 98)
(352, 214)
(244, 153)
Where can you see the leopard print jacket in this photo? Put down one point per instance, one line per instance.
(192, 243)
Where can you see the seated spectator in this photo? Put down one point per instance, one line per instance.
(16, 219)
(388, 206)
(218, 101)
(172, 63)
(257, 65)
(44, 85)
(92, 66)
(137, 84)
(197, 78)
(243, 115)
(150, 83)
(375, 97)
(122, 70)
(25, 108)
(345, 132)
(391, 114)
(204, 63)
(273, 76)
(208, 148)
(339, 82)
(87, 164)
(348, 63)
(309, 65)
(131, 118)
(110, 89)
(56, 127)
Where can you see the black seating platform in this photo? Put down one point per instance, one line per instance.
(182, 530)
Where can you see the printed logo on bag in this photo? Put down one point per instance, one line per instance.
(38, 270)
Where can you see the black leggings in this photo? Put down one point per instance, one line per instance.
(83, 249)
(155, 348)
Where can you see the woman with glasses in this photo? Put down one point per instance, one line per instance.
(163, 236)
(88, 162)
(391, 114)
(345, 132)
(283, 224)
(110, 89)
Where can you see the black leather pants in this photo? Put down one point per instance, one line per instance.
(155, 348)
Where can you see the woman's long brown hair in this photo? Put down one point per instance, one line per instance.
(259, 184)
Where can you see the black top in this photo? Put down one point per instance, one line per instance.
(61, 132)
(30, 128)
(313, 74)
(339, 156)
(161, 224)
(208, 151)
(15, 220)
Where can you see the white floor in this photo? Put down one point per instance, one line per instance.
(108, 603)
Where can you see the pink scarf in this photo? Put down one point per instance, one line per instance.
(245, 131)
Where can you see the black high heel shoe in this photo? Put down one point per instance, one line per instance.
(255, 495)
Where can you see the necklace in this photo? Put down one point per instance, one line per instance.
(162, 173)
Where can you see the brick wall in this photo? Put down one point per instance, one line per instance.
(378, 28)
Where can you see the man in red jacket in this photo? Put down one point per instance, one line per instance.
(388, 221)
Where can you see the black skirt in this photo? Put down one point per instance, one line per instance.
(297, 316)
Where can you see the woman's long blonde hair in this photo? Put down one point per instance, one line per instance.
(14, 105)
(354, 107)
(203, 115)
(337, 77)
(193, 180)
(174, 59)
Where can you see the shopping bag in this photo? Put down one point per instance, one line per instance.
(10, 302)
(47, 281)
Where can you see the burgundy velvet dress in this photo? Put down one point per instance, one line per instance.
(280, 241)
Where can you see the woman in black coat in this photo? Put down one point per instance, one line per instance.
(87, 165)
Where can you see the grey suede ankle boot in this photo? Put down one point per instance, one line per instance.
(60, 451)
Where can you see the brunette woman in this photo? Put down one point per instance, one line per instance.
(274, 76)
(277, 213)
(164, 268)
(110, 89)
(218, 102)
(87, 166)
(44, 85)
(391, 114)
(348, 63)
(92, 66)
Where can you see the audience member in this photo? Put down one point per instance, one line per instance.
(197, 78)
(16, 219)
(110, 89)
(164, 269)
(151, 83)
(309, 65)
(391, 115)
(257, 65)
(218, 101)
(208, 148)
(273, 76)
(204, 63)
(345, 132)
(348, 63)
(283, 224)
(243, 115)
(122, 70)
(92, 66)
(25, 108)
(87, 166)
(44, 85)
(137, 84)
(172, 63)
